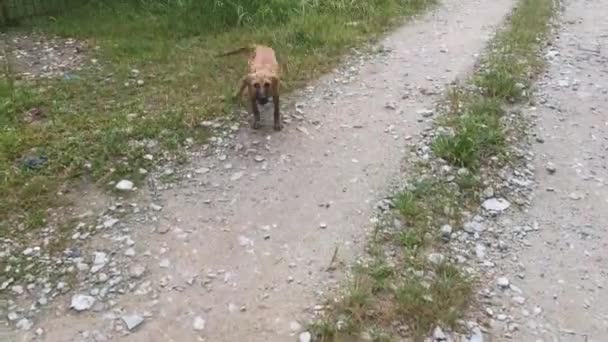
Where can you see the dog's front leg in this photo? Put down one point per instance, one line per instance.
(256, 113)
(278, 125)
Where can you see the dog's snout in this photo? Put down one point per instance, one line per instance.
(263, 100)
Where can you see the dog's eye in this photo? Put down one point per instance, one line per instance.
(266, 85)
(257, 85)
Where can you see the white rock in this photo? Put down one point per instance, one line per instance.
(82, 302)
(237, 175)
(18, 289)
(155, 207)
(137, 270)
(130, 252)
(476, 335)
(438, 334)
(446, 230)
(496, 204)
(125, 185)
(132, 321)
(436, 258)
(110, 222)
(305, 337)
(480, 251)
(165, 263)
(503, 282)
(24, 324)
(199, 323)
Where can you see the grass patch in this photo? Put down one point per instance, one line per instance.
(407, 289)
(155, 80)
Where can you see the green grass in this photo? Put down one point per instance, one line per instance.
(99, 124)
(400, 285)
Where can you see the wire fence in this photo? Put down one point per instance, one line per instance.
(12, 11)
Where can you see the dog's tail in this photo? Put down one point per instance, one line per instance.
(234, 52)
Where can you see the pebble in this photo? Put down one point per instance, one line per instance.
(496, 204)
(446, 231)
(18, 289)
(438, 334)
(156, 207)
(436, 258)
(24, 324)
(550, 168)
(132, 321)
(137, 270)
(323, 225)
(125, 185)
(305, 337)
(503, 282)
(237, 175)
(82, 302)
(199, 323)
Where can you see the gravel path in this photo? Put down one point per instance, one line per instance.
(239, 250)
(561, 271)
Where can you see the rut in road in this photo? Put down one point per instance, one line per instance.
(244, 242)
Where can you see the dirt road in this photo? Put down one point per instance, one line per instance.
(239, 249)
(561, 270)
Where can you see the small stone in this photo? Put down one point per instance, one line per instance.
(130, 252)
(132, 321)
(519, 300)
(446, 231)
(425, 112)
(165, 263)
(125, 185)
(199, 323)
(18, 289)
(323, 225)
(496, 204)
(575, 196)
(202, 170)
(390, 105)
(82, 302)
(24, 324)
(28, 251)
(438, 334)
(436, 258)
(305, 337)
(480, 251)
(156, 207)
(137, 271)
(12, 316)
(476, 335)
(550, 167)
(237, 175)
(110, 222)
(503, 282)
(140, 82)
(259, 158)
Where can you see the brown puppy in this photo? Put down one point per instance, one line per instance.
(262, 81)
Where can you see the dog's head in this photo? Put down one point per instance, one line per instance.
(262, 86)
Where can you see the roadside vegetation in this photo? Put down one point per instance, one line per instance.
(406, 285)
